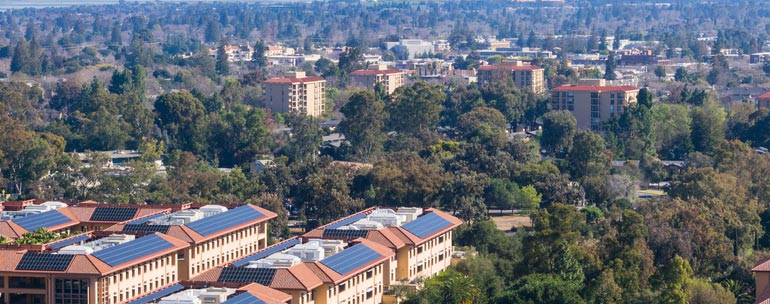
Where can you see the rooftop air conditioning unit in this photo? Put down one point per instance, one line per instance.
(366, 224)
(409, 213)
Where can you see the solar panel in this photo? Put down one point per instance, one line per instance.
(266, 252)
(113, 214)
(132, 250)
(262, 276)
(344, 234)
(351, 258)
(158, 294)
(42, 220)
(244, 298)
(426, 225)
(147, 219)
(68, 242)
(224, 220)
(145, 228)
(346, 221)
(45, 261)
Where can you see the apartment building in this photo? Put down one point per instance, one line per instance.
(524, 76)
(313, 272)
(296, 93)
(420, 238)
(60, 217)
(390, 79)
(112, 269)
(763, 101)
(216, 235)
(592, 102)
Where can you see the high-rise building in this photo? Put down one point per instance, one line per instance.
(390, 79)
(296, 93)
(523, 76)
(592, 102)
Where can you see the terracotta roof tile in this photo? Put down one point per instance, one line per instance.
(11, 230)
(294, 80)
(386, 237)
(297, 277)
(376, 72)
(211, 275)
(762, 265)
(83, 214)
(267, 294)
(144, 212)
(83, 265)
(764, 96)
(509, 67)
(567, 88)
(9, 259)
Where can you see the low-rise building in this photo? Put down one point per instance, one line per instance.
(759, 58)
(763, 101)
(296, 93)
(389, 79)
(592, 102)
(523, 76)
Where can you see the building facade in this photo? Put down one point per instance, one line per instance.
(763, 101)
(592, 102)
(296, 93)
(389, 79)
(523, 76)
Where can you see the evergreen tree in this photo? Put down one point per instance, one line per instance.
(609, 68)
(222, 65)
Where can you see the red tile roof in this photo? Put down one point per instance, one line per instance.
(294, 80)
(376, 72)
(266, 294)
(509, 67)
(762, 265)
(567, 88)
(764, 96)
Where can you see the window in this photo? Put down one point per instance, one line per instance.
(369, 274)
(342, 286)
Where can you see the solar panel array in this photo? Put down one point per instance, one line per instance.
(346, 221)
(132, 250)
(67, 242)
(147, 219)
(225, 220)
(267, 252)
(244, 298)
(45, 261)
(263, 276)
(158, 294)
(344, 234)
(113, 214)
(351, 259)
(426, 225)
(42, 220)
(145, 228)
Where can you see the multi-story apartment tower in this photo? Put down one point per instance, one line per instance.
(592, 102)
(296, 93)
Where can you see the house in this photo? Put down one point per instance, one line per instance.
(524, 76)
(592, 102)
(389, 79)
(759, 58)
(763, 101)
(296, 93)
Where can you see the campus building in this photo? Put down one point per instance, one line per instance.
(296, 93)
(592, 102)
(389, 79)
(523, 76)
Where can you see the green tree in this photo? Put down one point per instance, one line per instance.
(414, 108)
(484, 125)
(660, 72)
(558, 132)
(588, 156)
(362, 125)
(306, 137)
(708, 126)
(672, 279)
(681, 74)
(259, 56)
(542, 288)
(223, 63)
(181, 117)
(609, 67)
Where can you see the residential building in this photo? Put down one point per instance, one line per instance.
(637, 57)
(235, 53)
(390, 79)
(759, 58)
(762, 281)
(524, 76)
(592, 102)
(113, 269)
(314, 272)
(296, 93)
(216, 235)
(413, 47)
(420, 238)
(763, 101)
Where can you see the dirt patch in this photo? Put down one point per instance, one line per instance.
(506, 223)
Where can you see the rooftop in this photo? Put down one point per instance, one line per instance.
(295, 80)
(586, 88)
(764, 96)
(376, 72)
(509, 67)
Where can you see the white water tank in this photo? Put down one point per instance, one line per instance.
(278, 260)
(214, 295)
(330, 246)
(386, 217)
(409, 213)
(75, 249)
(308, 252)
(54, 204)
(185, 216)
(366, 224)
(210, 210)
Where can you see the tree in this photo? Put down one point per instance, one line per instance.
(181, 117)
(405, 179)
(306, 136)
(351, 59)
(609, 67)
(485, 126)
(542, 288)
(325, 195)
(660, 71)
(708, 126)
(259, 56)
(672, 280)
(766, 68)
(414, 108)
(223, 63)
(681, 74)
(363, 123)
(558, 132)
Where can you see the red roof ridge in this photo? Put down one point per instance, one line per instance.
(266, 293)
(490, 67)
(293, 80)
(764, 96)
(594, 88)
(376, 72)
